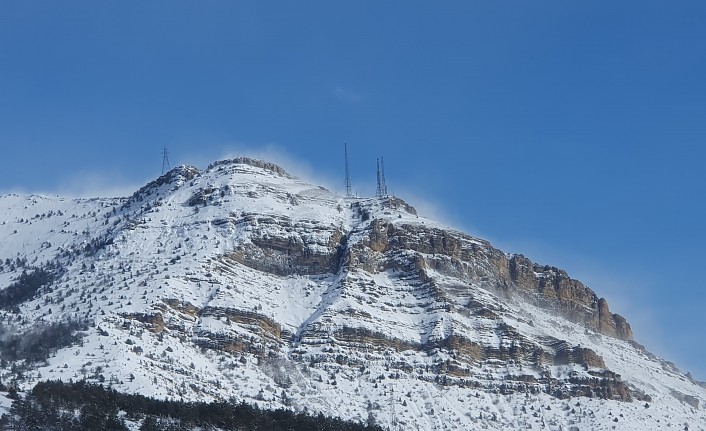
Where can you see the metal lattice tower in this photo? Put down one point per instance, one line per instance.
(382, 174)
(349, 192)
(165, 160)
(382, 187)
(378, 191)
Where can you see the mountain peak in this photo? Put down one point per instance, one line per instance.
(250, 162)
(244, 281)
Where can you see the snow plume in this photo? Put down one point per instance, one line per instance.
(273, 153)
(430, 208)
(99, 184)
(89, 185)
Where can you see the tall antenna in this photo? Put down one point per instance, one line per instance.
(165, 160)
(349, 193)
(382, 174)
(382, 187)
(378, 191)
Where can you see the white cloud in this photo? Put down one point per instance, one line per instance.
(349, 96)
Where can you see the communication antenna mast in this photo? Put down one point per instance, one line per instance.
(165, 160)
(378, 191)
(349, 193)
(381, 190)
(382, 174)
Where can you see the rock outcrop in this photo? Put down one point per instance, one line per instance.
(475, 261)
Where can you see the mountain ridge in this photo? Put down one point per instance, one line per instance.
(271, 282)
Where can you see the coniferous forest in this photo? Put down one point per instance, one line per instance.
(55, 405)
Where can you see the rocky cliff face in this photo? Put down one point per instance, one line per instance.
(475, 261)
(244, 281)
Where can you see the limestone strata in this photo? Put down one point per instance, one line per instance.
(476, 261)
(257, 323)
(306, 250)
(361, 338)
(554, 288)
(154, 322)
(182, 306)
(249, 161)
(566, 354)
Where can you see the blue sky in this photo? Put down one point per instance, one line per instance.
(571, 132)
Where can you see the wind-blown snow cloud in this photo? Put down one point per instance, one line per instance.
(347, 95)
(270, 152)
(95, 184)
(429, 208)
(88, 185)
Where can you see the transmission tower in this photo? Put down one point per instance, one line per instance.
(349, 193)
(382, 187)
(382, 173)
(165, 160)
(378, 191)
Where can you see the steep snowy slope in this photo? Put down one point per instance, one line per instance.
(243, 281)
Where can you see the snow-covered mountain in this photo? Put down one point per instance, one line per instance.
(243, 282)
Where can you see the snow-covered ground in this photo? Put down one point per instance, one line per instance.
(179, 249)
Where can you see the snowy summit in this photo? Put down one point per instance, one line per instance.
(242, 282)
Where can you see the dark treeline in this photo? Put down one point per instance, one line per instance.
(55, 405)
(39, 342)
(25, 287)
